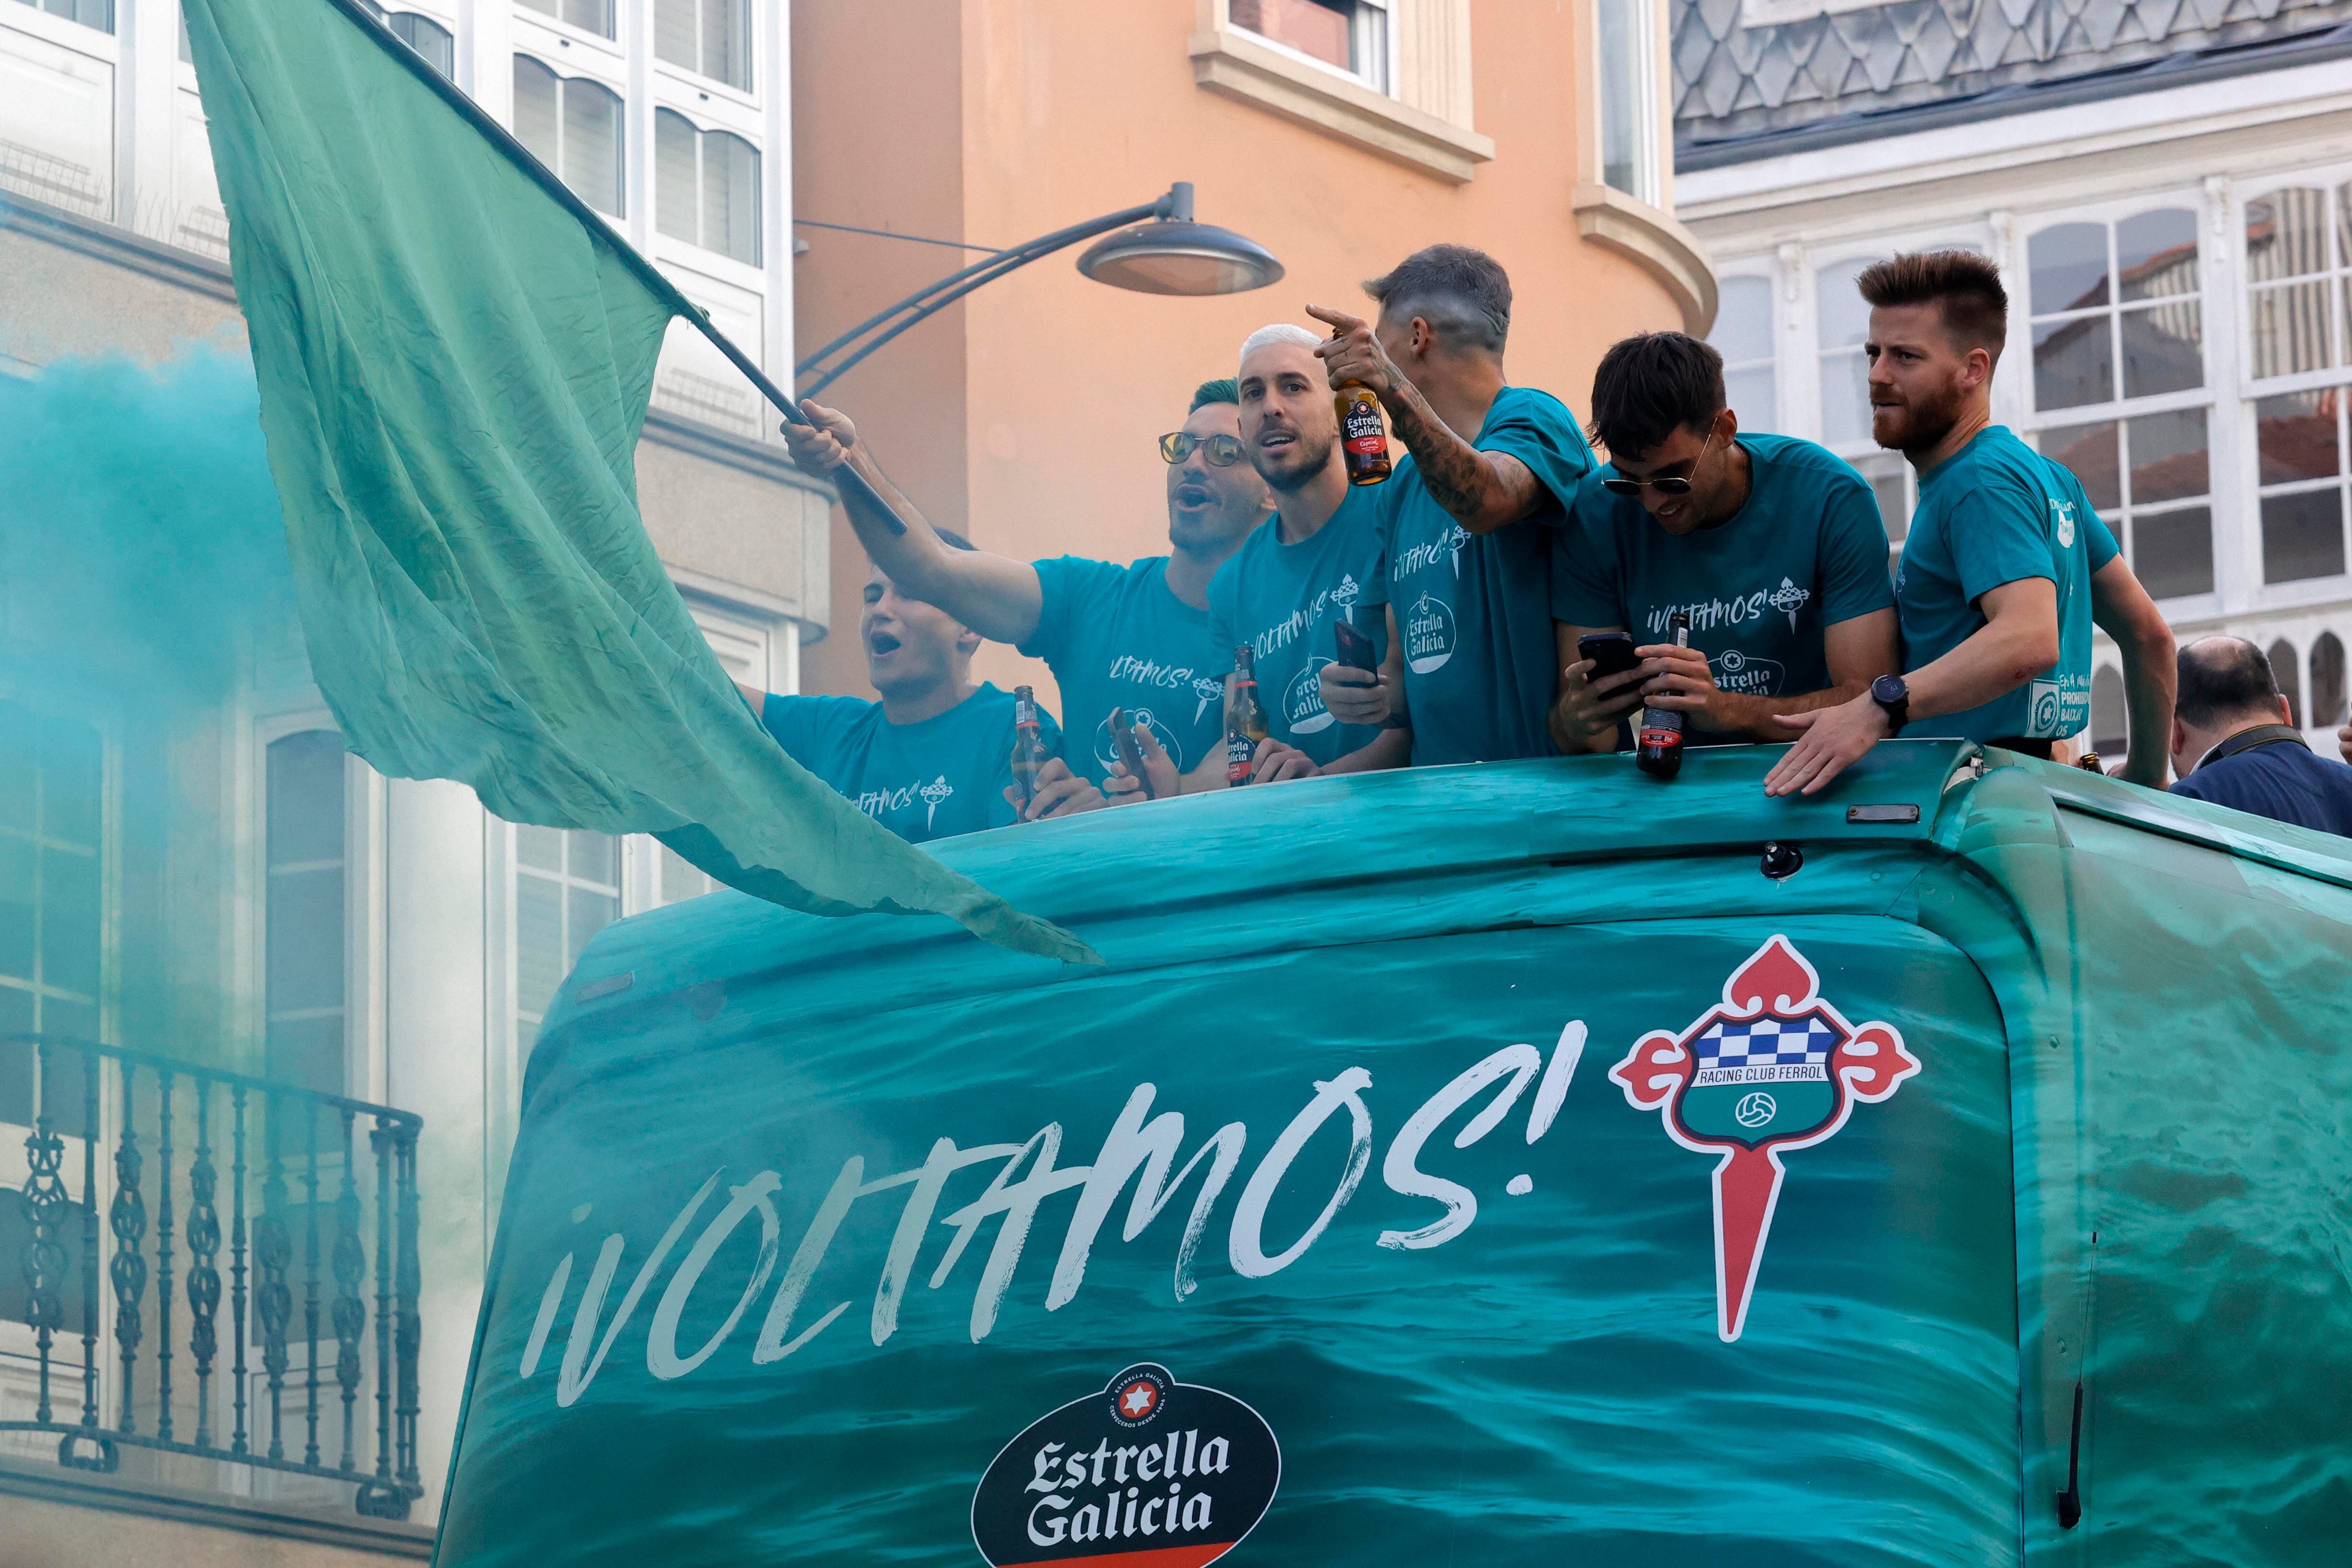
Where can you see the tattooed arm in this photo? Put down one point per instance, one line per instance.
(1483, 490)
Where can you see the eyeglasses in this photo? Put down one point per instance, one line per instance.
(1665, 487)
(1222, 451)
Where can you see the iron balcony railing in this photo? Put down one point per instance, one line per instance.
(313, 1214)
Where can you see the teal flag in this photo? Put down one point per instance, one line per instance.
(455, 363)
(1440, 1177)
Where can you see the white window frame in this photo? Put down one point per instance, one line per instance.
(629, 133)
(1649, 158)
(2248, 391)
(365, 844)
(1762, 269)
(2212, 396)
(107, 1000)
(1386, 45)
(744, 274)
(559, 30)
(709, 87)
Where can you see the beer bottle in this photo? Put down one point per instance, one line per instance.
(1246, 723)
(1360, 436)
(1030, 751)
(1658, 750)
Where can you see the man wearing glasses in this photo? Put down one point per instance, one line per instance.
(1133, 636)
(1773, 545)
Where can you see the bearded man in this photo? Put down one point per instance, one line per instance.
(2006, 566)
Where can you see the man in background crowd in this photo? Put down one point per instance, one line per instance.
(1773, 547)
(933, 758)
(1312, 564)
(2006, 565)
(1133, 636)
(1468, 515)
(2234, 742)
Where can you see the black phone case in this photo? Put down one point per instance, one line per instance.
(1611, 653)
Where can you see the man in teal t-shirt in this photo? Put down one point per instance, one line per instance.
(1468, 516)
(1134, 636)
(1997, 511)
(934, 757)
(1772, 545)
(2006, 566)
(1303, 570)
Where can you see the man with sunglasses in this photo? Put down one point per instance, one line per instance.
(1133, 636)
(1773, 547)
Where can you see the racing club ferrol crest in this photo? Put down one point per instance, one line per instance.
(1775, 1067)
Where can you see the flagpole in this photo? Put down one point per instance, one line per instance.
(651, 276)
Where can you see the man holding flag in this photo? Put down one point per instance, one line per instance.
(455, 356)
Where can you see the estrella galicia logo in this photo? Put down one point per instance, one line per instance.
(1169, 1474)
(1302, 700)
(1775, 1067)
(1429, 635)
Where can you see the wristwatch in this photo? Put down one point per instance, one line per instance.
(1891, 694)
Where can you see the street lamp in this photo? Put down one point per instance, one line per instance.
(1165, 252)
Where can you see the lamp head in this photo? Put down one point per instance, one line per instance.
(1171, 254)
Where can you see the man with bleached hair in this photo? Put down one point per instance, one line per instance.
(1312, 565)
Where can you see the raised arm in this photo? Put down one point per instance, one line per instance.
(996, 595)
(2151, 677)
(1482, 490)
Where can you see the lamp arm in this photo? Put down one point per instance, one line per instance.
(1177, 204)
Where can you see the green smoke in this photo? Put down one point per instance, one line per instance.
(141, 541)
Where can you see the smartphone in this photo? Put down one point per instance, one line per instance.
(1611, 653)
(1356, 650)
(1130, 755)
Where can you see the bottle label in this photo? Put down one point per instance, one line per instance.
(1240, 754)
(1360, 430)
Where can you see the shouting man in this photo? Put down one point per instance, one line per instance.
(934, 757)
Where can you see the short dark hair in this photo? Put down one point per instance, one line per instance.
(1963, 287)
(1225, 389)
(1649, 387)
(1463, 293)
(2222, 678)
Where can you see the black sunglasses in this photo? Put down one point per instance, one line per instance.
(1222, 451)
(1665, 487)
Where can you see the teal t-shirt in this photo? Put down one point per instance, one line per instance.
(1282, 600)
(1806, 551)
(1115, 636)
(1997, 511)
(943, 777)
(1474, 610)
